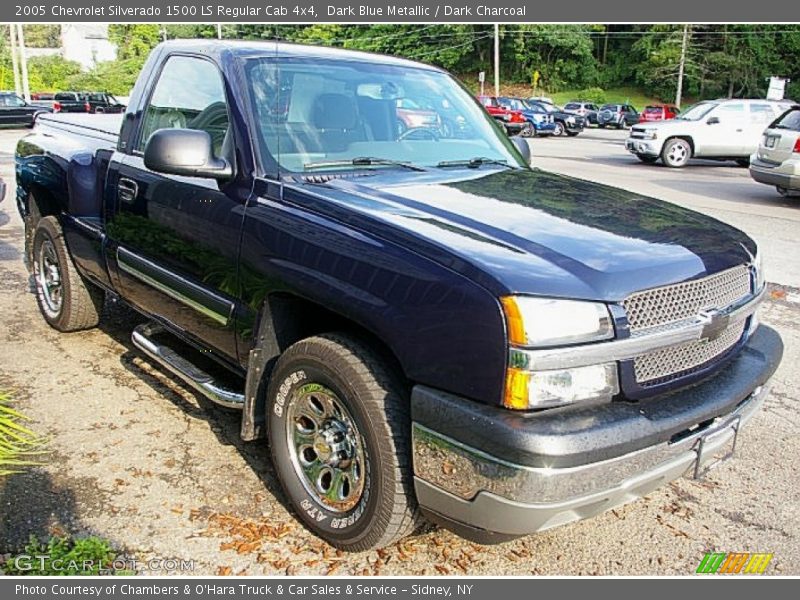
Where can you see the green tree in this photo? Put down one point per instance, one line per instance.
(50, 73)
(42, 36)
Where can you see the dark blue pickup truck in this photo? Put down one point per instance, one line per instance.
(419, 323)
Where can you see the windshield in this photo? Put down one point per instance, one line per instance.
(572, 106)
(311, 116)
(697, 111)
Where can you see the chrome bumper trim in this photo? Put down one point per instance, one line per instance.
(627, 348)
(465, 472)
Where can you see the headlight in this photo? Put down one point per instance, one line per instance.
(543, 322)
(546, 389)
(758, 271)
(649, 134)
(570, 120)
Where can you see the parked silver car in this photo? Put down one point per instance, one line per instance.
(715, 129)
(777, 160)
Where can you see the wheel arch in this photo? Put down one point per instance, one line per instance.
(283, 320)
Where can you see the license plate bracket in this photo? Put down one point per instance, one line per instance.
(770, 140)
(710, 455)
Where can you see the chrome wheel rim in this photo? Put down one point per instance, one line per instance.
(559, 130)
(678, 153)
(327, 450)
(49, 278)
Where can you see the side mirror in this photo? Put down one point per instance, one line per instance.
(521, 144)
(712, 121)
(184, 152)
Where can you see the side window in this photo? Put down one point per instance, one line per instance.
(761, 113)
(189, 94)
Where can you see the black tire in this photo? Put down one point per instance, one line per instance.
(80, 303)
(559, 130)
(676, 153)
(648, 160)
(602, 125)
(338, 370)
(528, 131)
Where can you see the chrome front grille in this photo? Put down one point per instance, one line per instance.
(661, 308)
(670, 363)
(672, 303)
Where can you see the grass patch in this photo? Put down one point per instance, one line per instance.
(18, 444)
(620, 95)
(65, 556)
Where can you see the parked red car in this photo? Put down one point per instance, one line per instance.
(659, 112)
(512, 120)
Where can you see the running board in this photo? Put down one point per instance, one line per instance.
(198, 379)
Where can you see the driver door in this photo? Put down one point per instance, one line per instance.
(175, 239)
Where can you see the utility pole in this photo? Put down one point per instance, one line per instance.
(219, 31)
(682, 65)
(23, 61)
(496, 59)
(14, 60)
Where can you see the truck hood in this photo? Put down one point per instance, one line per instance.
(529, 231)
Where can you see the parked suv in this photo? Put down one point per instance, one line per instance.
(617, 115)
(102, 102)
(777, 160)
(585, 109)
(715, 129)
(565, 123)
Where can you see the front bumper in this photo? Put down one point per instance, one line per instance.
(644, 147)
(482, 470)
(783, 175)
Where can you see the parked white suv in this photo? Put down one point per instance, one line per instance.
(777, 160)
(715, 129)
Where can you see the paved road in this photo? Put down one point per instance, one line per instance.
(139, 459)
(720, 189)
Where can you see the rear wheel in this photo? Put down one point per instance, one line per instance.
(528, 131)
(67, 301)
(339, 434)
(676, 153)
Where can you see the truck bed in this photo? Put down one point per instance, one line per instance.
(103, 127)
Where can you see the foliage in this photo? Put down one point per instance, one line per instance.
(42, 36)
(72, 556)
(51, 73)
(592, 94)
(17, 443)
(721, 60)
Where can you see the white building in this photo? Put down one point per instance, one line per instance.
(87, 44)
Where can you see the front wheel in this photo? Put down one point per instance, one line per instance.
(66, 300)
(528, 131)
(339, 433)
(559, 130)
(676, 153)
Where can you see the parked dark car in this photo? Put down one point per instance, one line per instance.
(70, 102)
(102, 102)
(420, 327)
(587, 110)
(620, 116)
(565, 123)
(659, 112)
(15, 111)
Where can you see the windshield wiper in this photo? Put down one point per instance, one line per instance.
(474, 163)
(362, 161)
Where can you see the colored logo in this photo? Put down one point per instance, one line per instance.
(744, 563)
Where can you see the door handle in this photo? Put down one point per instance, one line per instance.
(127, 190)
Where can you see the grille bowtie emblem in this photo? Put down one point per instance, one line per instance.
(714, 323)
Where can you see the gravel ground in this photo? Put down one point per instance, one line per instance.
(139, 459)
